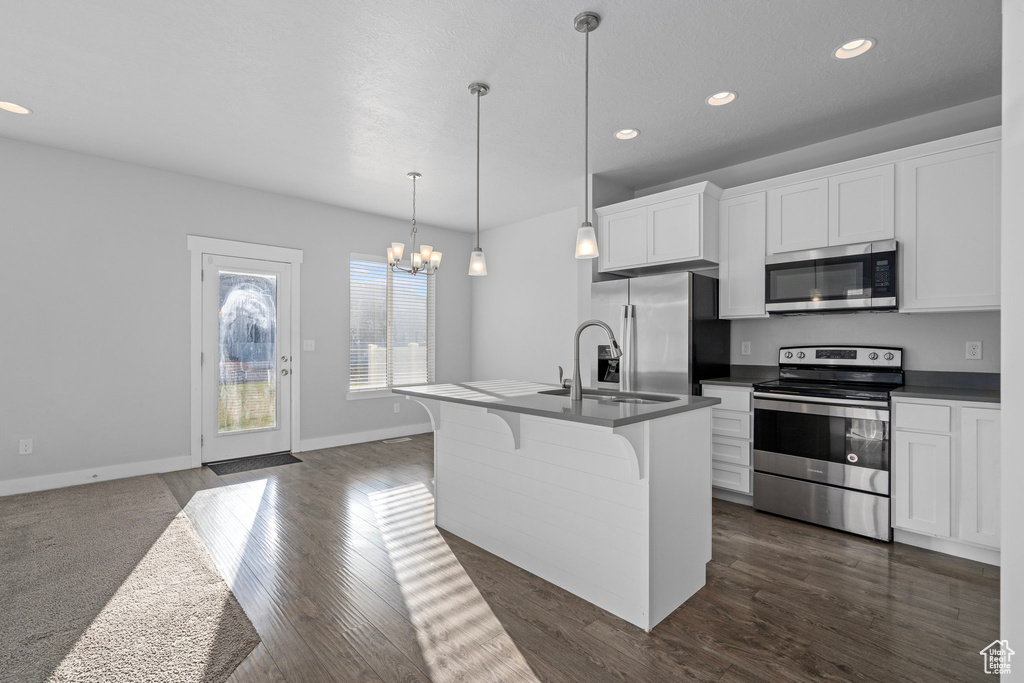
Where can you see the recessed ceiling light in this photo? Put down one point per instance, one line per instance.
(14, 108)
(720, 98)
(853, 48)
(627, 133)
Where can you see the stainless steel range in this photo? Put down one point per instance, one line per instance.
(821, 437)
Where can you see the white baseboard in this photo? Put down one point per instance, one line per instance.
(732, 496)
(947, 546)
(62, 479)
(362, 437)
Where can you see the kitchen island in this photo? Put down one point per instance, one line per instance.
(608, 497)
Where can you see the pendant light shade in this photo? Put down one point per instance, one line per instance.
(586, 239)
(477, 263)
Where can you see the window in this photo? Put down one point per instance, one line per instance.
(391, 326)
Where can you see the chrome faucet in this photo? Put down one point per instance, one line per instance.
(576, 390)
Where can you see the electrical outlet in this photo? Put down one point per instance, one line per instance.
(745, 349)
(309, 345)
(25, 447)
(973, 350)
(398, 407)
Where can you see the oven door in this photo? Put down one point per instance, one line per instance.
(841, 445)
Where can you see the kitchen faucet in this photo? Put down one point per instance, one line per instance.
(576, 390)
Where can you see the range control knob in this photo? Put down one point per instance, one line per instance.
(873, 356)
(801, 354)
(789, 354)
(889, 356)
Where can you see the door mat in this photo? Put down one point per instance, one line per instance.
(256, 462)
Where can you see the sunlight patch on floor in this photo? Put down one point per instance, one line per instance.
(248, 501)
(458, 634)
(136, 634)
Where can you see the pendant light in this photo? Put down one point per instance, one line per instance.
(477, 263)
(426, 259)
(586, 239)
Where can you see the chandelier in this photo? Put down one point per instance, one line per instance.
(426, 259)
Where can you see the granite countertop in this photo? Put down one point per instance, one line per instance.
(947, 393)
(524, 397)
(745, 378)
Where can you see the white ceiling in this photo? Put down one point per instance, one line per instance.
(336, 100)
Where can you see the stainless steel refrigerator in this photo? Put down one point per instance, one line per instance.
(669, 331)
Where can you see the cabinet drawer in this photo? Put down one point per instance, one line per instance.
(922, 417)
(732, 399)
(732, 451)
(730, 477)
(728, 423)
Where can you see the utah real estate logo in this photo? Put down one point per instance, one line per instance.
(997, 657)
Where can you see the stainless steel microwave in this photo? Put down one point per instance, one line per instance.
(854, 277)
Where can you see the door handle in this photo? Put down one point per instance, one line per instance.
(284, 371)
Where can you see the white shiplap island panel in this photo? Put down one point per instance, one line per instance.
(623, 523)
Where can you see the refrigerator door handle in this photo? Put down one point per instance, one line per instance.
(627, 337)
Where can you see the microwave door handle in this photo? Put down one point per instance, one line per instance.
(627, 335)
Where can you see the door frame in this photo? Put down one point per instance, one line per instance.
(197, 246)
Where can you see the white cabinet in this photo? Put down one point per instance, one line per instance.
(798, 217)
(673, 230)
(677, 226)
(623, 238)
(742, 251)
(945, 469)
(731, 437)
(862, 206)
(948, 230)
(921, 482)
(979, 475)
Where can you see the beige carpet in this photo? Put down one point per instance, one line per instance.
(109, 582)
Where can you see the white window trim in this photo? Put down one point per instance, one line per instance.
(366, 394)
(197, 246)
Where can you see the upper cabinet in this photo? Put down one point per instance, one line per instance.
(742, 248)
(841, 209)
(949, 230)
(798, 217)
(862, 206)
(678, 226)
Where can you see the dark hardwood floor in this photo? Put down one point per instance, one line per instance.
(340, 568)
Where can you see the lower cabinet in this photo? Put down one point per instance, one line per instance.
(945, 469)
(731, 437)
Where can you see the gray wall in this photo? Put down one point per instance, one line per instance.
(525, 310)
(1012, 586)
(95, 295)
(932, 341)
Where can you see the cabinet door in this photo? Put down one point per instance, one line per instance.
(674, 230)
(862, 206)
(798, 217)
(948, 228)
(741, 270)
(979, 476)
(921, 482)
(622, 239)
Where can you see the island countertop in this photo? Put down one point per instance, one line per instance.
(522, 397)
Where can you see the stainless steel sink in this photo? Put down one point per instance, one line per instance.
(635, 398)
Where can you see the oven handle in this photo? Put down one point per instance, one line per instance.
(789, 406)
(820, 399)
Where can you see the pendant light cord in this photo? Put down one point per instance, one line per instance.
(586, 128)
(414, 208)
(477, 169)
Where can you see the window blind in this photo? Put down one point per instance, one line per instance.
(391, 318)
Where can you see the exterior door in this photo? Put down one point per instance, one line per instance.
(246, 360)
